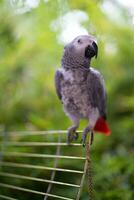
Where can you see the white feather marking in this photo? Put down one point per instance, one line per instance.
(67, 74)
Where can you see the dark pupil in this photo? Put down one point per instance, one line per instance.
(79, 41)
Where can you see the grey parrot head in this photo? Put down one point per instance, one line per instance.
(81, 49)
(84, 45)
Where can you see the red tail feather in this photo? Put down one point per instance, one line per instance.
(102, 126)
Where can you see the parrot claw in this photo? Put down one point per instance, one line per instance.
(76, 136)
(84, 136)
(91, 137)
(72, 135)
(83, 143)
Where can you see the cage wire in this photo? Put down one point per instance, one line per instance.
(26, 157)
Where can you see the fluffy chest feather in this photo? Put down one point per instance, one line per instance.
(74, 92)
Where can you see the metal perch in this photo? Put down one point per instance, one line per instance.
(13, 141)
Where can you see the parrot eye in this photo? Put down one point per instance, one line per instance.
(79, 41)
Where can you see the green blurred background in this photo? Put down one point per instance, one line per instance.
(32, 36)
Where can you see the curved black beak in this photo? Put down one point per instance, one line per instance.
(95, 47)
(91, 50)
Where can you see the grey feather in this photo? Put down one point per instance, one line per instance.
(95, 84)
(58, 78)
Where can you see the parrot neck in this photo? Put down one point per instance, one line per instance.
(72, 62)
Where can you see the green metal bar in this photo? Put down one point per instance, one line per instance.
(42, 155)
(40, 144)
(82, 180)
(86, 166)
(32, 191)
(36, 179)
(53, 173)
(26, 133)
(6, 197)
(10, 164)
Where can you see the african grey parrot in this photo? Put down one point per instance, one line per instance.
(81, 88)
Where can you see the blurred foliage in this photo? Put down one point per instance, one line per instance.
(29, 55)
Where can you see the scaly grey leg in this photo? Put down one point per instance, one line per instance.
(71, 134)
(84, 136)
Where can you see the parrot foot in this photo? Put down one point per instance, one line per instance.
(72, 134)
(84, 136)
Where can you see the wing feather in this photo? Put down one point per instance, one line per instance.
(58, 77)
(97, 92)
